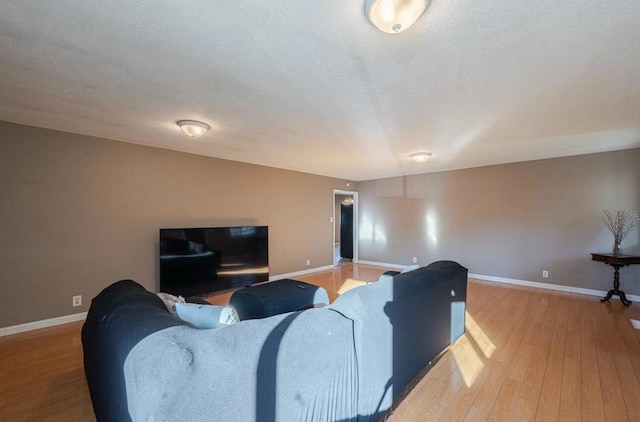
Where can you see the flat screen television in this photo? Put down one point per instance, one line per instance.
(199, 261)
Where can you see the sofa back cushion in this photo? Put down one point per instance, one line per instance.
(298, 366)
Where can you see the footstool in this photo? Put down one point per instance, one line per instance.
(277, 297)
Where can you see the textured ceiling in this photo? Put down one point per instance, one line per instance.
(313, 86)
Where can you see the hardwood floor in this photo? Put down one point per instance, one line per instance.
(42, 376)
(527, 355)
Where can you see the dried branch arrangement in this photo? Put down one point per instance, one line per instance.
(620, 223)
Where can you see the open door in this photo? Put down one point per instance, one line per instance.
(345, 222)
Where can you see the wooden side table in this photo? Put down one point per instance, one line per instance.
(616, 261)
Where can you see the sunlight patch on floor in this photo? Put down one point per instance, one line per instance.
(466, 351)
(467, 359)
(484, 343)
(350, 284)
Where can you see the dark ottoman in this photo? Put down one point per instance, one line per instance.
(276, 297)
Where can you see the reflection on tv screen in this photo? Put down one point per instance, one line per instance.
(199, 261)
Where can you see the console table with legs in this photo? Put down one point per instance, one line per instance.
(616, 261)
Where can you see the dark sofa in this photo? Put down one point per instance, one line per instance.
(347, 361)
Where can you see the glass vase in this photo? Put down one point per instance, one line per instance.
(617, 249)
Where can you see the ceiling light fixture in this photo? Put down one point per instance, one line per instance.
(394, 16)
(420, 157)
(193, 128)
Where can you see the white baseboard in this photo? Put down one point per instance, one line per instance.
(299, 273)
(383, 264)
(29, 326)
(548, 286)
(534, 284)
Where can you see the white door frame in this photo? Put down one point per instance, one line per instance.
(355, 222)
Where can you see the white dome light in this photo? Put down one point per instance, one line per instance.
(394, 16)
(193, 128)
(420, 157)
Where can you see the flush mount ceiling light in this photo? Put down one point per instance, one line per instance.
(394, 16)
(193, 128)
(420, 157)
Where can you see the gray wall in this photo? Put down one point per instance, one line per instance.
(79, 213)
(511, 221)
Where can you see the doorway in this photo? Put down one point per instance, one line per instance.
(345, 226)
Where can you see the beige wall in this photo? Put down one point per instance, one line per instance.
(79, 213)
(511, 221)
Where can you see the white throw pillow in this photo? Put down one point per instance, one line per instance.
(207, 316)
(170, 301)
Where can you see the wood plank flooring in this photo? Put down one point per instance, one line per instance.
(527, 355)
(42, 376)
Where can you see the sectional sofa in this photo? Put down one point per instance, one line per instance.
(345, 362)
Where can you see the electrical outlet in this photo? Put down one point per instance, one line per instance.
(308, 262)
(415, 259)
(76, 300)
(545, 274)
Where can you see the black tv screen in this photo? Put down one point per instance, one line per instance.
(199, 261)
